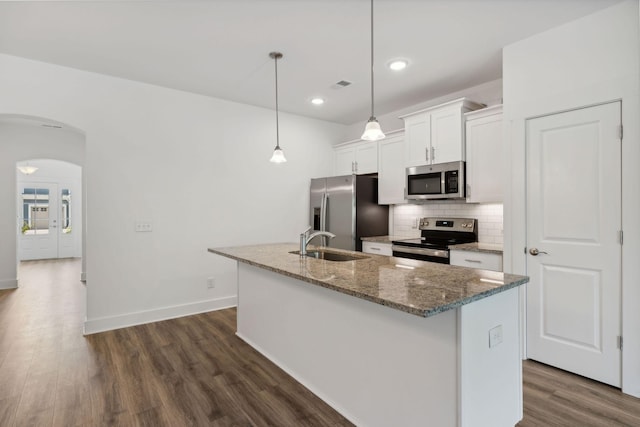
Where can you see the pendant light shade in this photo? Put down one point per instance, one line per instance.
(372, 131)
(278, 154)
(27, 170)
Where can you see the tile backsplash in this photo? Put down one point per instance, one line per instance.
(489, 218)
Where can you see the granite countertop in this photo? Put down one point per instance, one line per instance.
(491, 248)
(416, 287)
(472, 247)
(382, 239)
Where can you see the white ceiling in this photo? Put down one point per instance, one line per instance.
(220, 47)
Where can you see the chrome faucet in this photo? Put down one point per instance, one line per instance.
(305, 238)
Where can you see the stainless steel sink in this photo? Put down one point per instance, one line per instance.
(331, 256)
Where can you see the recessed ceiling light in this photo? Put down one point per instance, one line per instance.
(317, 101)
(398, 64)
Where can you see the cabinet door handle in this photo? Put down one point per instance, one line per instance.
(426, 153)
(355, 167)
(433, 154)
(374, 248)
(468, 190)
(477, 261)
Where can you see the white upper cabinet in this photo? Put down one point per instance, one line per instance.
(436, 135)
(446, 135)
(391, 171)
(343, 160)
(356, 158)
(485, 162)
(417, 135)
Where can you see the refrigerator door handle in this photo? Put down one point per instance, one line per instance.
(322, 213)
(323, 217)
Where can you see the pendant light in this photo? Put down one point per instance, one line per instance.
(26, 169)
(372, 131)
(278, 154)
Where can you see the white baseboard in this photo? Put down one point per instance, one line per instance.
(93, 326)
(8, 284)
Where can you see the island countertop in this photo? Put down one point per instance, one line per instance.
(416, 287)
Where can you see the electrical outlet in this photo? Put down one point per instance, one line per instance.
(495, 336)
(143, 226)
(211, 283)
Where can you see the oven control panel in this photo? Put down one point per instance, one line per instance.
(448, 224)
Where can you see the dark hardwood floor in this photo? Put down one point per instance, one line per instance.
(194, 371)
(553, 397)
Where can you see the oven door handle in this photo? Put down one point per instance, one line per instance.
(420, 251)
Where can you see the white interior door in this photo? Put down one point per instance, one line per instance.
(67, 228)
(38, 213)
(574, 222)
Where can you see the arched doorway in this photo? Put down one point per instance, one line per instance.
(25, 138)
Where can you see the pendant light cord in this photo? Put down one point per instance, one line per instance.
(277, 121)
(372, 115)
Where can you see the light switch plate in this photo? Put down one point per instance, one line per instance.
(143, 226)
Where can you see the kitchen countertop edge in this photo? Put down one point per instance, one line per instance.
(489, 248)
(378, 300)
(382, 239)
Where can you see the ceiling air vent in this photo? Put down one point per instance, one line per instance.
(341, 84)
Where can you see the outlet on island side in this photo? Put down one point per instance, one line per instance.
(211, 282)
(495, 336)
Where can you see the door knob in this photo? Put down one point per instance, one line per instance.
(535, 252)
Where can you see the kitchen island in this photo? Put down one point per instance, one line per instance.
(385, 340)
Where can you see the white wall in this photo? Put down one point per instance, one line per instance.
(195, 167)
(18, 142)
(489, 93)
(591, 60)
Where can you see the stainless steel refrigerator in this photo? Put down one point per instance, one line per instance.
(348, 207)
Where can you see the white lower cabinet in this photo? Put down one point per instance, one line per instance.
(377, 248)
(482, 260)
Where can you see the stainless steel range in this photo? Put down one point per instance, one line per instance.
(437, 235)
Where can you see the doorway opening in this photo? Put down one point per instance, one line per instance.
(574, 251)
(24, 211)
(49, 201)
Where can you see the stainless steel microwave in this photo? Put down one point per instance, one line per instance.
(438, 181)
